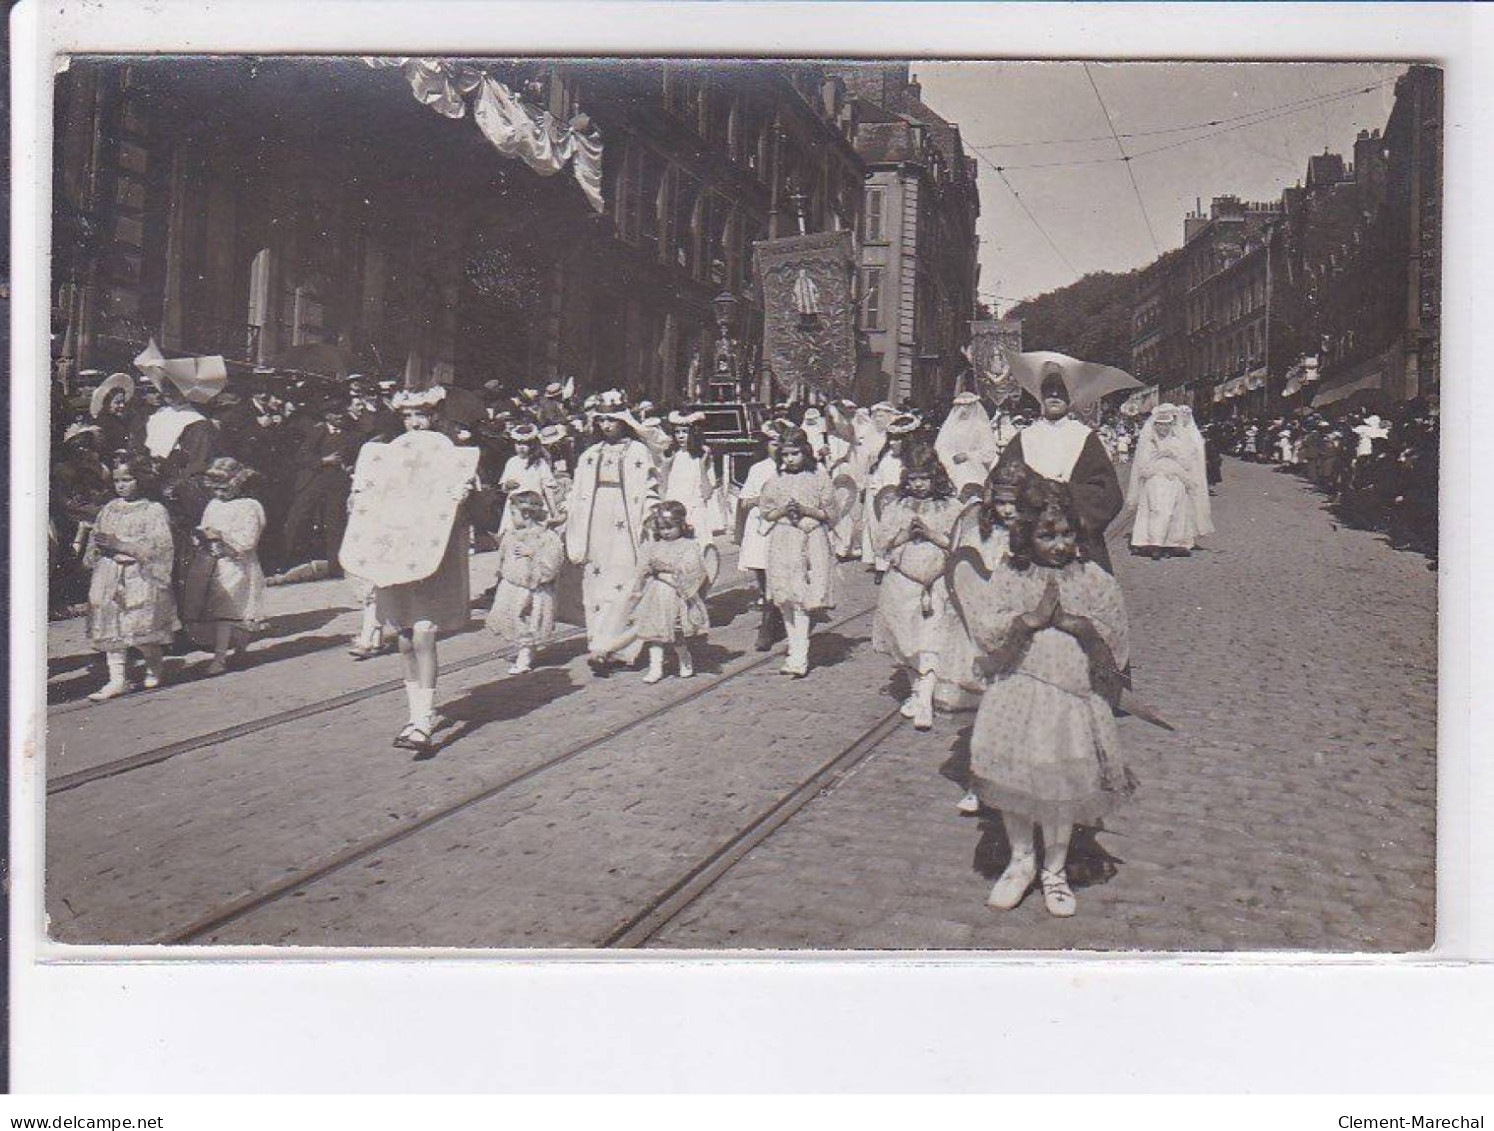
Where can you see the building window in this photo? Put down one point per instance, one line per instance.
(873, 228)
(871, 298)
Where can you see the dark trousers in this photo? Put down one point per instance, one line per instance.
(316, 521)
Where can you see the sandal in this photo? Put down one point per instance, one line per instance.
(1058, 897)
(419, 740)
(402, 739)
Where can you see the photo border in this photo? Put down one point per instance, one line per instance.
(77, 1006)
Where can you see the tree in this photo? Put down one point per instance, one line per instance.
(1089, 319)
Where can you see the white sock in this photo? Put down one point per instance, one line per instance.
(412, 689)
(118, 667)
(422, 705)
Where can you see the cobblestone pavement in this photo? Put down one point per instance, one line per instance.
(1293, 807)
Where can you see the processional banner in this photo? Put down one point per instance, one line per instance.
(809, 311)
(987, 340)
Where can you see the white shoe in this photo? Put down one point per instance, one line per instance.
(151, 682)
(1014, 883)
(969, 803)
(1058, 897)
(923, 716)
(217, 667)
(909, 707)
(109, 691)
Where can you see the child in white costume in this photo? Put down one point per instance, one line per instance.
(419, 610)
(799, 506)
(530, 555)
(689, 477)
(669, 605)
(1045, 750)
(754, 552)
(130, 604)
(226, 569)
(913, 535)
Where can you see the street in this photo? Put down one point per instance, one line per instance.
(1292, 807)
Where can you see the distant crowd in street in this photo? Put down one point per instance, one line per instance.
(1379, 467)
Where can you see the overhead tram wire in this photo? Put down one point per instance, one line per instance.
(1254, 121)
(1300, 103)
(1036, 223)
(1151, 231)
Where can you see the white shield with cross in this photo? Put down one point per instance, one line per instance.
(405, 499)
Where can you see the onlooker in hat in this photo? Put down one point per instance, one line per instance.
(528, 470)
(117, 414)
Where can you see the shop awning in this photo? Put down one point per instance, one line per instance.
(1372, 381)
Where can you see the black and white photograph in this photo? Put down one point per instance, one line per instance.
(726, 504)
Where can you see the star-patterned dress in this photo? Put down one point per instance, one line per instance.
(611, 564)
(1045, 745)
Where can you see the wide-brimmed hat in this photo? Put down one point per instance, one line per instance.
(904, 424)
(884, 406)
(684, 418)
(523, 432)
(115, 382)
(80, 430)
(227, 471)
(1085, 381)
(553, 434)
(419, 398)
(554, 389)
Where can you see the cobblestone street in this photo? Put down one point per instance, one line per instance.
(1292, 807)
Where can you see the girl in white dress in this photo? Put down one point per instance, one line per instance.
(689, 476)
(530, 555)
(914, 532)
(799, 506)
(225, 576)
(1045, 749)
(754, 552)
(130, 604)
(886, 470)
(669, 604)
(528, 470)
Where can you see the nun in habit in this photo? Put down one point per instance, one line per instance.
(1062, 448)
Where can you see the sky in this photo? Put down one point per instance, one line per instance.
(1091, 212)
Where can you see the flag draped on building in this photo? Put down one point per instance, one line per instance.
(515, 130)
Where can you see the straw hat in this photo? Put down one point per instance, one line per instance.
(114, 382)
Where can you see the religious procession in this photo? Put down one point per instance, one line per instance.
(745, 609)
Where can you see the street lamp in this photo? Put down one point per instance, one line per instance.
(723, 385)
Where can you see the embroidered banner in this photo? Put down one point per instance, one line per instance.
(809, 311)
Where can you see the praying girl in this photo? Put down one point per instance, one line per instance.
(689, 476)
(799, 506)
(1045, 749)
(913, 536)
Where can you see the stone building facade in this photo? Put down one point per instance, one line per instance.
(919, 272)
(312, 214)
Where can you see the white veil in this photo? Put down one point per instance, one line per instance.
(1185, 445)
(967, 430)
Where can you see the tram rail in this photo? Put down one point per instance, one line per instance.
(215, 919)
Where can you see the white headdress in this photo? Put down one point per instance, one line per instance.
(967, 431)
(418, 398)
(1183, 446)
